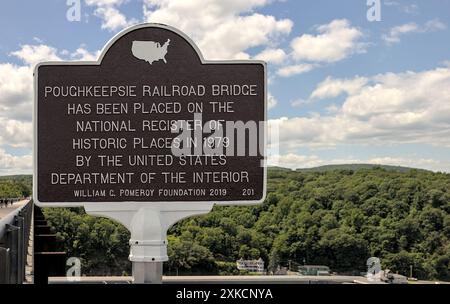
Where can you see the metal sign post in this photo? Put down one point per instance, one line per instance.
(149, 134)
(148, 226)
(147, 272)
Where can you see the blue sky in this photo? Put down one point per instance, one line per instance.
(364, 91)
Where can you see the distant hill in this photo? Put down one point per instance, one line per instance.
(275, 168)
(16, 177)
(356, 167)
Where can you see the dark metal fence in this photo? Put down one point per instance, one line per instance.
(47, 260)
(14, 238)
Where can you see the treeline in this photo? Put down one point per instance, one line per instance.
(337, 218)
(15, 186)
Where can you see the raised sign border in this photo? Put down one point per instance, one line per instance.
(98, 62)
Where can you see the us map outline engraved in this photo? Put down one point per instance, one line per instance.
(150, 51)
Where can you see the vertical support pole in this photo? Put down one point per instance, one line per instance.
(20, 223)
(4, 265)
(12, 236)
(24, 213)
(147, 272)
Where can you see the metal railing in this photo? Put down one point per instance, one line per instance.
(14, 237)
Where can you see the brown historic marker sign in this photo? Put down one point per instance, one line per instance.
(151, 121)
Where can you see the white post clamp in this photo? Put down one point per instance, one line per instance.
(148, 241)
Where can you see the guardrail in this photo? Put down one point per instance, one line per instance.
(14, 236)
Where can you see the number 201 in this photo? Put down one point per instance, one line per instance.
(248, 192)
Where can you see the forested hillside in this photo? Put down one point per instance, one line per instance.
(338, 218)
(15, 186)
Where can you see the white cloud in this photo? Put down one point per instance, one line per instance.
(33, 54)
(275, 56)
(331, 88)
(296, 69)
(396, 32)
(221, 29)
(38, 40)
(294, 161)
(391, 3)
(17, 134)
(16, 88)
(82, 54)
(297, 103)
(410, 8)
(271, 101)
(11, 164)
(105, 2)
(388, 109)
(446, 63)
(434, 25)
(334, 42)
(112, 18)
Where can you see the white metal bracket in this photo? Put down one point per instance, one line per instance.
(148, 224)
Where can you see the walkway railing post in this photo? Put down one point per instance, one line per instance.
(12, 236)
(4, 266)
(19, 222)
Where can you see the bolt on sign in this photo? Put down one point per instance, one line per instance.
(151, 121)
